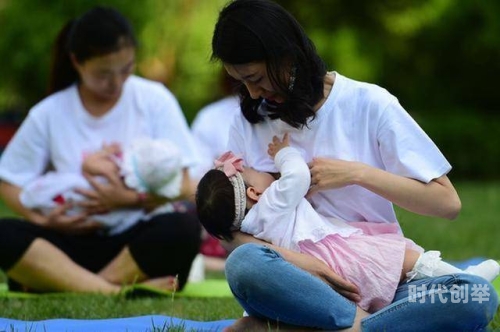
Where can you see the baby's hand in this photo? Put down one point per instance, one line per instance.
(112, 148)
(99, 163)
(276, 145)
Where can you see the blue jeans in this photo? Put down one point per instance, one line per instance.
(269, 287)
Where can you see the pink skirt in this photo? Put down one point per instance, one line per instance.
(372, 262)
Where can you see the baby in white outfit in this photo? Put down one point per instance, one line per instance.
(147, 166)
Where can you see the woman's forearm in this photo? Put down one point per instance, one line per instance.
(151, 201)
(437, 198)
(290, 256)
(10, 195)
(305, 262)
(188, 189)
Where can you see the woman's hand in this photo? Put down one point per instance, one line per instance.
(74, 224)
(106, 196)
(332, 173)
(305, 262)
(319, 269)
(56, 219)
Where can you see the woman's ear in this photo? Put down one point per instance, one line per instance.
(253, 193)
(74, 61)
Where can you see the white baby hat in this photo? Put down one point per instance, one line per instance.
(154, 166)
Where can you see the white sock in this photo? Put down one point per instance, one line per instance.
(488, 269)
(429, 264)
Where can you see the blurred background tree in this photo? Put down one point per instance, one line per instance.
(439, 57)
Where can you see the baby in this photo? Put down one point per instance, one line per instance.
(147, 166)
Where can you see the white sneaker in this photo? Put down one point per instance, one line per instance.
(489, 269)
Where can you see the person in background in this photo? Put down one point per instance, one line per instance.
(210, 129)
(96, 100)
(365, 153)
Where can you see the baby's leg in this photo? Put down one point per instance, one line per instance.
(411, 257)
(429, 264)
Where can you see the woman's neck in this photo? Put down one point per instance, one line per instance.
(328, 82)
(95, 105)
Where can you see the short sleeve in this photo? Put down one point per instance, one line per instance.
(27, 154)
(406, 149)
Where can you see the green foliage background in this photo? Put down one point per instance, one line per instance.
(439, 57)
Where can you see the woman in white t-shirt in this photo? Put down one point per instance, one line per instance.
(365, 153)
(96, 101)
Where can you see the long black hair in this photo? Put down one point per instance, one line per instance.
(261, 30)
(99, 31)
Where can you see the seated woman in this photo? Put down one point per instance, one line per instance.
(96, 100)
(365, 153)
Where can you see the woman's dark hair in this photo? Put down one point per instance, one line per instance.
(261, 30)
(99, 31)
(215, 204)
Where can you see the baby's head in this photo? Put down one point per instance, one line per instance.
(154, 166)
(225, 193)
(215, 204)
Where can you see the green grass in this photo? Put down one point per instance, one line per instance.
(100, 306)
(474, 233)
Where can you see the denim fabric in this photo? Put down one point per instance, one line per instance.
(267, 286)
(458, 302)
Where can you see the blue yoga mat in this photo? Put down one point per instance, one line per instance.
(466, 263)
(132, 324)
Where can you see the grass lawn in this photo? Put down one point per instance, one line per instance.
(475, 233)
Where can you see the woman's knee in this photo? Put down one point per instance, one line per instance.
(481, 294)
(245, 260)
(451, 302)
(15, 238)
(252, 265)
(166, 245)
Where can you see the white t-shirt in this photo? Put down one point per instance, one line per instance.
(282, 216)
(358, 122)
(211, 131)
(58, 132)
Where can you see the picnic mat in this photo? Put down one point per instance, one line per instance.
(206, 288)
(150, 323)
